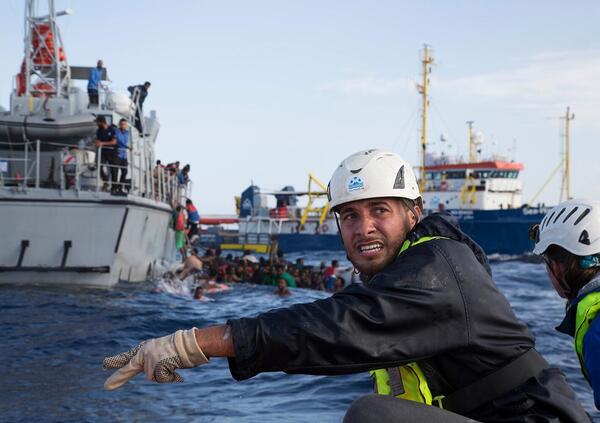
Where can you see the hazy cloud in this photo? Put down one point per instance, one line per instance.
(545, 81)
(369, 85)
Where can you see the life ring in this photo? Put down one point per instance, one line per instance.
(324, 228)
(444, 185)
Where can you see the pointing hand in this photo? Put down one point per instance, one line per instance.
(158, 358)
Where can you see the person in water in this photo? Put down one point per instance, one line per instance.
(191, 264)
(282, 288)
(199, 293)
(439, 339)
(568, 238)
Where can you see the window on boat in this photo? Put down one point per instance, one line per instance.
(433, 176)
(506, 174)
(481, 174)
(455, 174)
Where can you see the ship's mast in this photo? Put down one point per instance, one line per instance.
(565, 187)
(470, 123)
(45, 71)
(427, 61)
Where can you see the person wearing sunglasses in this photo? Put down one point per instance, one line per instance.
(568, 238)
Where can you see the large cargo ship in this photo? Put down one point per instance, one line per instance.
(62, 220)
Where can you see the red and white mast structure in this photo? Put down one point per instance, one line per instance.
(44, 71)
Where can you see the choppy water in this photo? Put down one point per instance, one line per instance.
(53, 341)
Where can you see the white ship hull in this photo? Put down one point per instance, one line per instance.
(94, 239)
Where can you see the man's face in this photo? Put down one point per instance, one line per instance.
(102, 125)
(123, 125)
(373, 231)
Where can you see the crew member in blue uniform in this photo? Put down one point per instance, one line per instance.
(569, 240)
(94, 78)
(106, 142)
(440, 341)
(122, 137)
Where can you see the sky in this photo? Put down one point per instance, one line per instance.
(268, 91)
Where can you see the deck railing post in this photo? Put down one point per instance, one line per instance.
(61, 169)
(25, 172)
(98, 154)
(77, 173)
(37, 163)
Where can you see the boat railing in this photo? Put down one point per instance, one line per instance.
(23, 166)
(82, 169)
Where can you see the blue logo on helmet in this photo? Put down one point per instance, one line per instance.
(356, 184)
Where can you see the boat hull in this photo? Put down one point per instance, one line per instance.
(504, 232)
(93, 239)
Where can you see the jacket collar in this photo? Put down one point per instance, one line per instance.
(567, 326)
(445, 225)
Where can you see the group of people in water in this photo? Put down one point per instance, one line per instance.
(212, 271)
(438, 338)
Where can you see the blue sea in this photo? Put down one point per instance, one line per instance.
(54, 340)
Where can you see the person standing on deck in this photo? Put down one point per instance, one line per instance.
(94, 79)
(106, 142)
(439, 339)
(568, 238)
(122, 137)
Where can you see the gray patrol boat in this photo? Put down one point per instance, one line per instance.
(59, 222)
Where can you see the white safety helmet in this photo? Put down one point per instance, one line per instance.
(573, 225)
(372, 174)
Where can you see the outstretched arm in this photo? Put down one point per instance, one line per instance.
(215, 341)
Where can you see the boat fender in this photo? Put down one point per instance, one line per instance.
(324, 228)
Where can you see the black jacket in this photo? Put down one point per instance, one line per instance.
(436, 304)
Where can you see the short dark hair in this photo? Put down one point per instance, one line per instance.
(575, 276)
(101, 119)
(147, 83)
(194, 250)
(158, 162)
(334, 263)
(188, 201)
(122, 120)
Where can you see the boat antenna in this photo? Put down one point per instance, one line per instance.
(565, 187)
(423, 89)
(45, 71)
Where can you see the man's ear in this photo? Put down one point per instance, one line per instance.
(419, 213)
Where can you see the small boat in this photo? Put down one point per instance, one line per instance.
(62, 128)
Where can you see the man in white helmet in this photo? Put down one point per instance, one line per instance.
(428, 322)
(568, 238)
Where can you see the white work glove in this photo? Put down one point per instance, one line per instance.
(158, 358)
